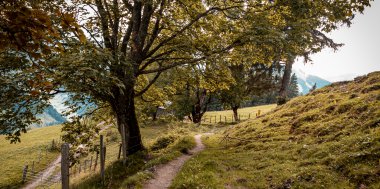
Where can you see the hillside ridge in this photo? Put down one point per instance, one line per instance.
(329, 136)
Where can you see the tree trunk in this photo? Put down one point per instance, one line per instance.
(154, 116)
(282, 97)
(235, 110)
(196, 114)
(201, 105)
(124, 107)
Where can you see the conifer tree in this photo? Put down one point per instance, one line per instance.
(293, 87)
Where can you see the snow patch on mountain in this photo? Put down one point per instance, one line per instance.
(306, 81)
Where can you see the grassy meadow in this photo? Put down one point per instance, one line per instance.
(245, 113)
(329, 138)
(15, 156)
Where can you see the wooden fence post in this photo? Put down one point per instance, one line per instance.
(118, 157)
(32, 168)
(91, 162)
(225, 119)
(220, 118)
(96, 160)
(24, 173)
(249, 116)
(52, 145)
(84, 166)
(39, 156)
(124, 144)
(65, 166)
(80, 167)
(102, 156)
(259, 112)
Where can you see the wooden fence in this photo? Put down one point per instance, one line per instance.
(94, 163)
(31, 171)
(229, 118)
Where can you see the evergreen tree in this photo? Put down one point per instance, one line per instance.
(313, 88)
(293, 87)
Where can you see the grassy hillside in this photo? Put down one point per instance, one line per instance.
(327, 139)
(13, 157)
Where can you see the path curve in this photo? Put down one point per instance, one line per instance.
(164, 174)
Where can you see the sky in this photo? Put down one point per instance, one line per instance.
(357, 57)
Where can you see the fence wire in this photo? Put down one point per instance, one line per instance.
(86, 167)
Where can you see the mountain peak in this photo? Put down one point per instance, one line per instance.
(306, 81)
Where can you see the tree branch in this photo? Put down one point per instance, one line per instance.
(187, 26)
(163, 68)
(154, 59)
(104, 23)
(92, 36)
(146, 17)
(128, 5)
(115, 28)
(126, 38)
(156, 29)
(149, 85)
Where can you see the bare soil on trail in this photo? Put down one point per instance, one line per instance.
(164, 174)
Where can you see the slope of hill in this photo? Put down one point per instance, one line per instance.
(306, 81)
(329, 138)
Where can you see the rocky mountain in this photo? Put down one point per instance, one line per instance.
(49, 117)
(306, 81)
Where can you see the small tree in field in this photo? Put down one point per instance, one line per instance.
(196, 86)
(251, 80)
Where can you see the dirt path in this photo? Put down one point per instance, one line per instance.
(44, 175)
(165, 174)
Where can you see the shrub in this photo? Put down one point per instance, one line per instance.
(163, 142)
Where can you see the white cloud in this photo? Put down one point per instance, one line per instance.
(358, 56)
